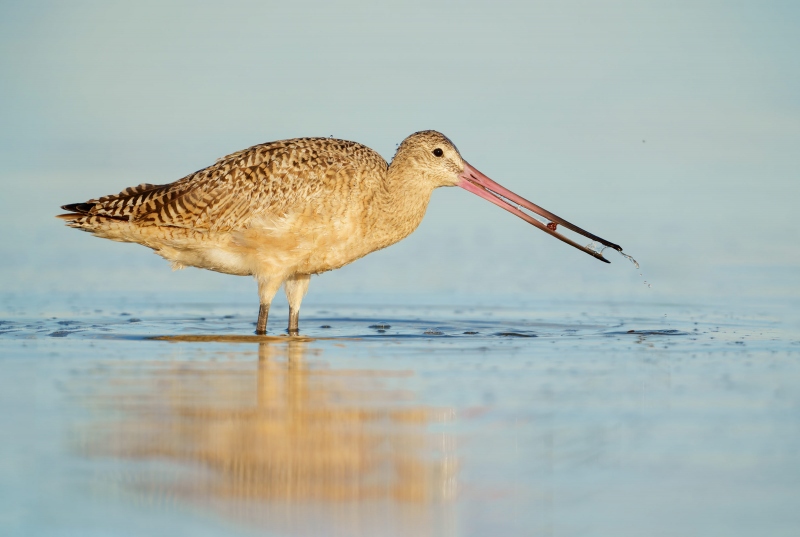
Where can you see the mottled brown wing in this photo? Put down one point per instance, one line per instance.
(278, 178)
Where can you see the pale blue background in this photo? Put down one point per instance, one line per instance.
(671, 128)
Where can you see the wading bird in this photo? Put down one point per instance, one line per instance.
(285, 210)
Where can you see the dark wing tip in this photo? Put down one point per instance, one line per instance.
(78, 207)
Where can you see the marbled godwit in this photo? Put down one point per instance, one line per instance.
(285, 210)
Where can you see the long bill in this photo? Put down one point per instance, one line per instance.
(477, 183)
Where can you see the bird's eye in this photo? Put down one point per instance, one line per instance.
(438, 152)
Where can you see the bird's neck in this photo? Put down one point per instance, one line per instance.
(401, 204)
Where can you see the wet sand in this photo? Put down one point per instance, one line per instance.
(529, 419)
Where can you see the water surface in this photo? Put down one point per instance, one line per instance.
(548, 418)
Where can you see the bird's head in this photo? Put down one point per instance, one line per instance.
(432, 157)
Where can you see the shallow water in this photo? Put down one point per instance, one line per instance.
(549, 418)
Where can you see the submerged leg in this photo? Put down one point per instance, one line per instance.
(267, 287)
(296, 287)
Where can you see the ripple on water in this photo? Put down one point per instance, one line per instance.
(60, 333)
(433, 332)
(649, 333)
(515, 334)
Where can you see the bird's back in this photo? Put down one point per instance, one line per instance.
(274, 178)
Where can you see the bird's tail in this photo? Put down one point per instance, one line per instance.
(79, 217)
(108, 217)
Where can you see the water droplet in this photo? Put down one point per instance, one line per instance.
(631, 259)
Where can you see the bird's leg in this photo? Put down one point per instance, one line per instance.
(263, 314)
(296, 287)
(267, 287)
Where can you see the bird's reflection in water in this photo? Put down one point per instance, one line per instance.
(287, 445)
